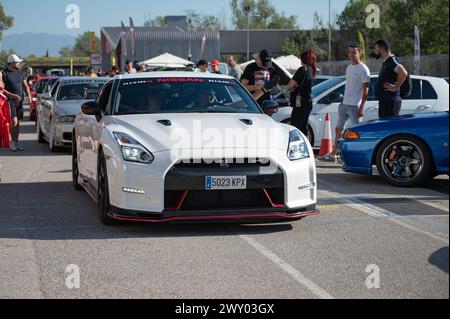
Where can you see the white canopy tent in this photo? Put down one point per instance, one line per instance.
(166, 60)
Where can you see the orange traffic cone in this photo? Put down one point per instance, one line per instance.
(326, 148)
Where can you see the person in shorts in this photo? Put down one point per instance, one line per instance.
(356, 93)
(12, 80)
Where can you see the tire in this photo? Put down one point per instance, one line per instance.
(40, 135)
(103, 205)
(75, 173)
(51, 143)
(404, 161)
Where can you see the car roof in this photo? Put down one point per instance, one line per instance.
(146, 75)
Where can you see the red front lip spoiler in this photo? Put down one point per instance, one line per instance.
(218, 217)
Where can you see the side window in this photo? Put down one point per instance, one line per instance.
(428, 92)
(416, 93)
(372, 89)
(103, 97)
(335, 96)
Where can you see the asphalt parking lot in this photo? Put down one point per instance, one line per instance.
(45, 226)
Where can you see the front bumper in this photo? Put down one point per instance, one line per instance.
(216, 216)
(177, 193)
(63, 134)
(357, 156)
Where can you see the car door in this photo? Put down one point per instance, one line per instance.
(371, 108)
(412, 102)
(429, 98)
(48, 110)
(94, 130)
(330, 104)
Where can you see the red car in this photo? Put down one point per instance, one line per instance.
(36, 92)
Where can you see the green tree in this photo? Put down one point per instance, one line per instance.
(397, 21)
(6, 21)
(431, 16)
(158, 21)
(4, 55)
(315, 39)
(198, 22)
(263, 15)
(82, 46)
(353, 20)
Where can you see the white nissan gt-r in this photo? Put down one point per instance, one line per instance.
(179, 147)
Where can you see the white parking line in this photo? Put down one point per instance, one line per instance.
(287, 268)
(374, 211)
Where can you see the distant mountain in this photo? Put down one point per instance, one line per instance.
(26, 44)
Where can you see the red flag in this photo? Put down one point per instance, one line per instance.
(5, 119)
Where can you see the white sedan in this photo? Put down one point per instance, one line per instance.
(58, 108)
(179, 147)
(429, 94)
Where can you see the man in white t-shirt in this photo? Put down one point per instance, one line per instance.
(356, 92)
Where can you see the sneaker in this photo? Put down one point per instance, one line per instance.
(13, 147)
(20, 148)
(328, 158)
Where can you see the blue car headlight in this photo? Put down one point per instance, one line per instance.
(132, 150)
(298, 146)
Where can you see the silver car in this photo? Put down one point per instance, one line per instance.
(58, 108)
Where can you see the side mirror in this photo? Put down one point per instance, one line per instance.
(270, 107)
(46, 96)
(335, 98)
(91, 108)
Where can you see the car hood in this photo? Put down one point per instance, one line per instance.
(72, 107)
(161, 132)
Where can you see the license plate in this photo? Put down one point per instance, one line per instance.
(225, 182)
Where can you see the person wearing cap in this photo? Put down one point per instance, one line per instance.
(258, 74)
(202, 66)
(215, 67)
(12, 80)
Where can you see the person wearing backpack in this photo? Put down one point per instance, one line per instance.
(391, 80)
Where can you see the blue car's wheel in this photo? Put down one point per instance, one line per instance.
(404, 161)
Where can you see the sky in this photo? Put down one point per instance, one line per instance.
(49, 16)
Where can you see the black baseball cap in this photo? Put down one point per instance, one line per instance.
(266, 58)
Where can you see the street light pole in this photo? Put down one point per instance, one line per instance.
(247, 11)
(329, 30)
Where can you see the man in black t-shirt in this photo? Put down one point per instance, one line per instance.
(258, 74)
(390, 79)
(13, 81)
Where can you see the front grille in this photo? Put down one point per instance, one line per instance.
(185, 186)
(223, 163)
(216, 200)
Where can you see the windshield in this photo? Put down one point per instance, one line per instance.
(80, 91)
(183, 95)
(325, 86)
(49, 86)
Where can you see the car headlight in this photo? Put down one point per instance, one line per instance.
(132, 150)
(298, 146)
(66, 119)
